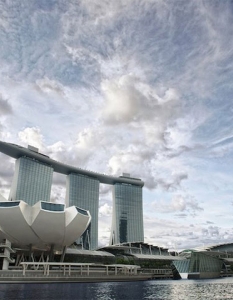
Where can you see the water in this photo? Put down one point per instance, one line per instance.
(157, 290)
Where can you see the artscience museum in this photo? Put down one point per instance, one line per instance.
(43, 225)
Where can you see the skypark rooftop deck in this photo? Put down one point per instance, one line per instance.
(16, 152)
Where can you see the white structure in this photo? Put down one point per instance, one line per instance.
(43, 225)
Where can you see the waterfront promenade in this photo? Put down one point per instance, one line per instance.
(78, 272)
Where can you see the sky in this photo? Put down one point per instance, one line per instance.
(135, 86)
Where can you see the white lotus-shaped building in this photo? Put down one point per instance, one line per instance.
(42, 225)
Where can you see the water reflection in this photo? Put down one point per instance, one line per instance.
(119, 290)
(190, 289)
(158, 290)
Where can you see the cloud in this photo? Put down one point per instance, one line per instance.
(4, 133)
(5, 107)
(48, 86)
(211, 231)
(58, 194)
(105, 190)
(174, 184)
(86, 143)
(6, 174)
(181, 215)
(31, 136)
(176, 235)
(7, 166)
(105, 210)
(179, 203)
(123, 101)
(143, 162)
(60, 152)
(209, 222)
(128, 100)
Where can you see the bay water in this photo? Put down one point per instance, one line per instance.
(154, 289)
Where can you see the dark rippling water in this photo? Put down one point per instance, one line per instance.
(158, 290)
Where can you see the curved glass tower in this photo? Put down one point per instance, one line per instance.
(32, 181)
(83, 191)
(127, 218)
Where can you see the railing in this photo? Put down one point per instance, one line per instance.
(14, 275)
(159, 273)
(92, 272)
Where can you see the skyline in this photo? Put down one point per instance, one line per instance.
(32, 183)
(139, 87)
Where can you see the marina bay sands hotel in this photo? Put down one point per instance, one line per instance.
(32, 182)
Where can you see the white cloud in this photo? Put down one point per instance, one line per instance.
(60, 151)
(58, 194)
(122, 101)
(130, 101)
(31, 136)
(105, 210)
(179, 203)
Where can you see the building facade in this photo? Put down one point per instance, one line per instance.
(198, 264)
(83, 191)
(32, 181)
(44, 225)
(127, 219)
